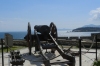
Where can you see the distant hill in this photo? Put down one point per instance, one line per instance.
(88, 28)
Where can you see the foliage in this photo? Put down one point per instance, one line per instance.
(87, 29)
(96, 63)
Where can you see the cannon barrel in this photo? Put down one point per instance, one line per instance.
(43, 29)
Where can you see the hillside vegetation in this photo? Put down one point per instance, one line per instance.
(87, 29)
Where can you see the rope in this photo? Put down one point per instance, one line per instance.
(90, 46)
(89, 58)
(54, 57)
(9, 47)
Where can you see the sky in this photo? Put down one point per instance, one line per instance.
(69, 14)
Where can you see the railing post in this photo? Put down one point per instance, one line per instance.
(7, 43)
(2, 52)
(96, 48)
(80, 57)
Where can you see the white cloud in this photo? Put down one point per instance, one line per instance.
(95, 15)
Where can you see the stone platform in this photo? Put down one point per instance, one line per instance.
(36, 59)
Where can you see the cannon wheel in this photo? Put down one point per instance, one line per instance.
(29, 39)
(53, 30)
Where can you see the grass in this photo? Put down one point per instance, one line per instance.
(21, 47)
(12, 48)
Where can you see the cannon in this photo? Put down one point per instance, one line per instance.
(49, 35)
(43, 33)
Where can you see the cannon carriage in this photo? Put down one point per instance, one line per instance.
(43, 34)
(49, 35)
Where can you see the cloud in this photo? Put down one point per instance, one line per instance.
(95, 15)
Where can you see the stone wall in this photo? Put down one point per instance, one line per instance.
(86, 40)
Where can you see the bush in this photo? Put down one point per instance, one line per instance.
(97, 63)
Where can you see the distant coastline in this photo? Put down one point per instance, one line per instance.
(87, 29)
(61, 33)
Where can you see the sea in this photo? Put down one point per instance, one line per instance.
(61, 33)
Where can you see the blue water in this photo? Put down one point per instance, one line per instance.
(61, 33)
(69, 34)
(16, 35)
